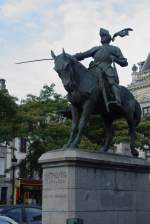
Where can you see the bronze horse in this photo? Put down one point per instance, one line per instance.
(86, 97)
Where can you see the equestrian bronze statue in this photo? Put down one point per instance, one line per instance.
(96, 90)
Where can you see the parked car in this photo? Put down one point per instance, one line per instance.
(23, 214)
(7, 220)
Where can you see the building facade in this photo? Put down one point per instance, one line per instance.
(140, 85)
(5, 185)
(14, 189)
(9, 169)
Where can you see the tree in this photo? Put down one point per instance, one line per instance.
(40, 122)
(143, 134)
(8, 111)
(94, 134)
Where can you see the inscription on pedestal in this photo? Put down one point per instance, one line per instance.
(54, 195)
(55, 200)
(57, 177)
(54, 178)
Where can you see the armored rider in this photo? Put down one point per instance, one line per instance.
(105, 57)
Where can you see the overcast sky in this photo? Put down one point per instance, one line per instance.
(29, 29)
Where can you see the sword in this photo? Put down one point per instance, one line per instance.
(116, 73)
(44, 59)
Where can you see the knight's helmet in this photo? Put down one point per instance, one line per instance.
(104, 32)
(105, 36)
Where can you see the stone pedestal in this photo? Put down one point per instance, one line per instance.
(98, 188)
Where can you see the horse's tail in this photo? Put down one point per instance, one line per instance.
(137, 113)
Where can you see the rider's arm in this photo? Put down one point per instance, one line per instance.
(118, 57)
(86, 54)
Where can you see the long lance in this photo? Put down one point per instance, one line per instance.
(44, 59)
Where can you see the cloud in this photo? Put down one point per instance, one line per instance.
(15, 10)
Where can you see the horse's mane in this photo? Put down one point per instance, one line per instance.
(86, 80)
(79, 65)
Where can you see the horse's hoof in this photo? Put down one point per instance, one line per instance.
(69, 147)
(73, 146)
(135, 152)
(103, 149)
(65, 147)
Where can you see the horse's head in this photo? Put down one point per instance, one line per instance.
(63, 66)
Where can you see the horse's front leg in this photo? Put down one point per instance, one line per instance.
(87, 110)
(74, 128)
(108, 134)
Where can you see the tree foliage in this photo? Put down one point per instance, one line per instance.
(40, 122)
(46, 129)
(39, 119)
(8, 111)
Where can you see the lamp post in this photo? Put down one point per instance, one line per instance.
(14, 163)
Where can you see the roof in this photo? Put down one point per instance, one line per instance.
(146, 65)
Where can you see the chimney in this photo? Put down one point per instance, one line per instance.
(2, 84)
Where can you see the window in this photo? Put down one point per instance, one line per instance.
(23, 145)
(2, 166)
(4, 195)
(146, 110)
(15, 213)
(33, 214)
